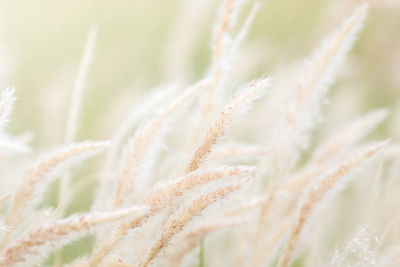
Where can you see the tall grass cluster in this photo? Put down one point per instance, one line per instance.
(222, 172)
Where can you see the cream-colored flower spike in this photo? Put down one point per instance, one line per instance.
(176, 223)
(239, 103)
(161, 197)
(42, 173)
(139, 146)
(303, 112)
(331, 148)
(168, 189)
(220, 49)
(350, 135)
(360, 250)
(36, 244)
(316, 193)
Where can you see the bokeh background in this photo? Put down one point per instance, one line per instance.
(142, 44)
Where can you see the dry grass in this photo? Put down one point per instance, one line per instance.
(155, 206)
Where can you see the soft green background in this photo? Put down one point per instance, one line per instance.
(43, 42)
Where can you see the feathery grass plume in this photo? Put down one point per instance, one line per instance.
(360, 250)
(295, 128)
(158, 199)
(153, 99)
(221, 40)
(253, 91)
(229, 45)
(195, 172)
(348, 136)
(316, 193)
(7, 100)
(110, 242)
(340, 141)
(178, 221)
(303, 112)
(139, 146)
(192, 237)
(195, 129)
(223, 50)
(41, 174)
(228, 12)
(38, 242)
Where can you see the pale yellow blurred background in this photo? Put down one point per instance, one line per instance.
(41, 43)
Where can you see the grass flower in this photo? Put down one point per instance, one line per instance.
(192, 159)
